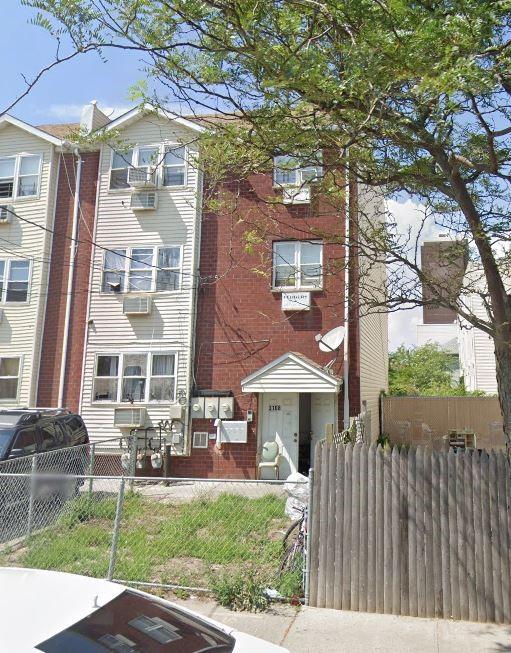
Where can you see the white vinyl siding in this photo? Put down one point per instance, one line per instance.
(290, 374)
(23, 321)
(173, 224)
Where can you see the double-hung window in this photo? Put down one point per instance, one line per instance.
(121, 163)
(297, 264)
(289, 171)
(20, 176)
(14, 280)
(135, 377)
(142, 269)
(174, 167)
(10, 371)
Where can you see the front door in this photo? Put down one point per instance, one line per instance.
(281, 424)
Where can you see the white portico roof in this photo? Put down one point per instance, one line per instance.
(291, 372)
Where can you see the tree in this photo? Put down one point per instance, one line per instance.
(413, 95)
(423, 371)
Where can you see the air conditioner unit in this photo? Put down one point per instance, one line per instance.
(5, 214)
(144, 177)
(136, 305)
(129, 417)
(293, 195)
(144, 201)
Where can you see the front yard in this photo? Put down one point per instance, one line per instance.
(191, 544)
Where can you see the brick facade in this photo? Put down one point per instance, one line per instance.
(240, 323)
(51, 354)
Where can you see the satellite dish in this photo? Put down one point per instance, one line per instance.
(332, 339)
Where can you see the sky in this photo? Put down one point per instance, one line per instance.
(61, 93)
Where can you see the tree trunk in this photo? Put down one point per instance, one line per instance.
(503, 364)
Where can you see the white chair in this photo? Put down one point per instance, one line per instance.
(270, 458)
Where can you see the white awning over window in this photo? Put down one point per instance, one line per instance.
(291, 372)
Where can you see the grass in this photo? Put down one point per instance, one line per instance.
(191, 544)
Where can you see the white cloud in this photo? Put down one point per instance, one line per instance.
(409, 217)
(72, 112)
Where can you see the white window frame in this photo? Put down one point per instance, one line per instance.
(300, 180)
(297, 265)
(120, 376)
(196, 442)
(154, 269)
(168, 145)
(160, 164)
(15, 197)
(5, 281)
(19, 377)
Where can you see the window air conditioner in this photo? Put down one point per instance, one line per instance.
(144, 177)
(136, 305)
(293, 195)
(5, 214)
(144, 201)
(129, 417)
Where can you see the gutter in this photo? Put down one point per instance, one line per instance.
(70, 278)
(345, 367)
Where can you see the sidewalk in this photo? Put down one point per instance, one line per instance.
(313, 630)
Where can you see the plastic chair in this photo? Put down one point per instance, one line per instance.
(270, 458)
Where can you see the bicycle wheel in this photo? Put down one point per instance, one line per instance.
(286, 540)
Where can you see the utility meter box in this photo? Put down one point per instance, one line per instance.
(226, 407)
(211, 407)
(197, 407)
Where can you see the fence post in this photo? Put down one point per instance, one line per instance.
(133, 440)
(308, 543)
(30, 517)
(91, 467)
(116, 530)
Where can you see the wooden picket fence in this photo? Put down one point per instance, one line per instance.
(411, 532)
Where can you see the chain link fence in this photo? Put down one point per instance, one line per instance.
(188, 534)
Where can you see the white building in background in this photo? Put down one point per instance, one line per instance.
(139, 347)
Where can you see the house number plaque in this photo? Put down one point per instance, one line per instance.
(274, 407)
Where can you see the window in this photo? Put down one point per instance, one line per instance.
(121, 161)
(106, 382)
(135, 377)
(169, 161)
(174, 167)
(288, 171)
(167, 274)
(141, 269)
(14, 276)
(297, 264)
(25, 443)
(19, 176)
(10, 368)
(200, 439)
(134, 269)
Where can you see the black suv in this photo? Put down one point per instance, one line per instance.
(26, 431)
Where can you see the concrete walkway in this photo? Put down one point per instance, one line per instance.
(314, 630)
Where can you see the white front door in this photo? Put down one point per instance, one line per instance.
(280, 423)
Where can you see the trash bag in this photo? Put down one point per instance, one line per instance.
(294, 508)
(297, 486)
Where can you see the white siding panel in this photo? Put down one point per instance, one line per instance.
(169, 325)
(22, 325)
(374, 352)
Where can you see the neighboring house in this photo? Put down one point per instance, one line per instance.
(29, 164)
(141, 313)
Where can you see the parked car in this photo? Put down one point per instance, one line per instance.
(26, 431)
(88, 615)
(55, 434)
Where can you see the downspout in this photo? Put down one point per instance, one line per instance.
(70, 278)
(345, 367)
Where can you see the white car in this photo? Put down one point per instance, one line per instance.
(54, 612)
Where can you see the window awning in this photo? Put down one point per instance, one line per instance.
(291, 372)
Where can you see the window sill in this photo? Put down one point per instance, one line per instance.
(150, 189)
(136, 404)
(135, 293)
(300, 289)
